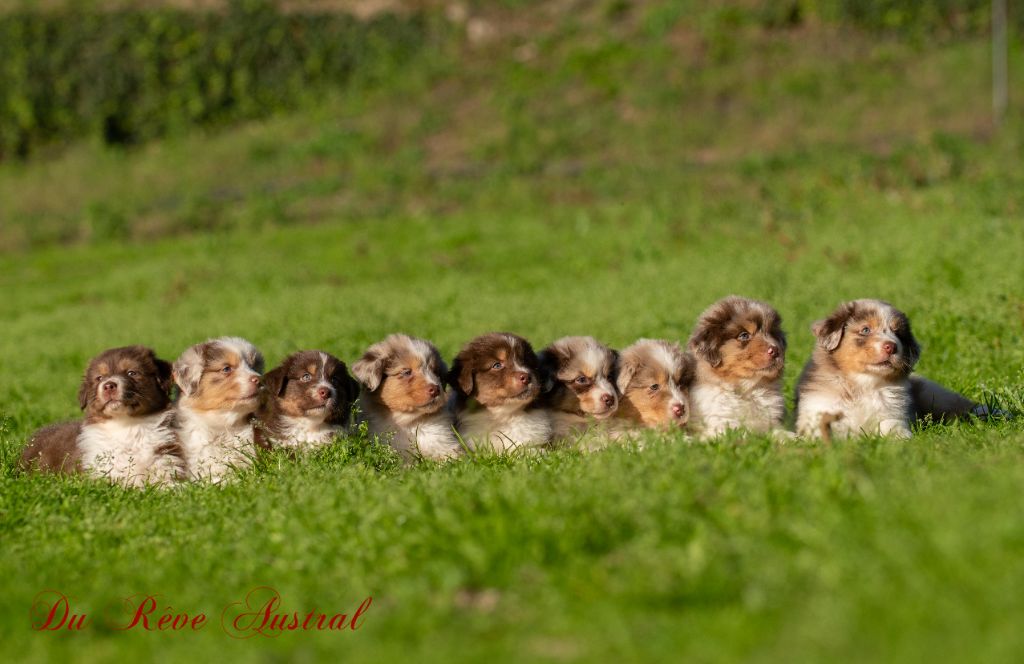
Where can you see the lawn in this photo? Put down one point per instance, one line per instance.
(587, 186)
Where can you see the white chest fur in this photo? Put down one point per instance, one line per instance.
(302, 433)
(131, 451)
(413, 436)
(505, 431)
(718, 407)
(215, 444)
(866, 407)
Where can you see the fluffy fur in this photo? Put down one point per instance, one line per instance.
(740, 350)
(581, 374)
(127, 435)
(496, 381)
(220, 386)
(654, 378)
(858, 378)
(307, 401)
(403, 398)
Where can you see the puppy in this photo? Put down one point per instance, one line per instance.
(654, 378)
(403, 399)
(306, 401)
(127, 435)
(740, 350)
(496, 381)
(858, 378)
(220, 387)
(581, 373)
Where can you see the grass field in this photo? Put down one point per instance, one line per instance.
(605, 177)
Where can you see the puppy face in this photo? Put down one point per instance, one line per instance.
(312, 384)
(740, 339)
(654, 378)
(125, 382)
(582, 369)
(499, 370)
(403, 374)
(220, 374)
(868, 337)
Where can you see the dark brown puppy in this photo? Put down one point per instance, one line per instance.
(307, 401)
(501, 373)
(127, 433)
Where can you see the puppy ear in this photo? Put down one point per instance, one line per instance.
(461, 376)
(163, 375)
(188, 369)
(276, 381)
(913, 348)
(83, 391)
(690, 368)
(704, 345)
(548, 361)
(625, 369)
(830, 330)
(369, 370)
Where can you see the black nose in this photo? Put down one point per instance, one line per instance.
(523, 377)
(607, 399)
(109, 386)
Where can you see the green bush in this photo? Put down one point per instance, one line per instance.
(128, 76)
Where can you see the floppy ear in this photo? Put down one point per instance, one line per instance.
(461, 376)
(689, 370)
(704, 345)
(830, 330)
(548, 361)
(909, 342)
(625, 370)
(369, 370)
(276, 381)
(163, 375)
(83, 391)
(188, 369)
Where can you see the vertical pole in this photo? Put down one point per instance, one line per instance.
(999, 84)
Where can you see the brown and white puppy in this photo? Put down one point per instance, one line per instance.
(127, 435)
(740, 350)
(403, 398)
(581, 371)
(306, 401)
(858, 378)
(219, 381)
(496, 380)
(654, 378)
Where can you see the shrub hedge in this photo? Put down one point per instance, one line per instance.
(130, 75)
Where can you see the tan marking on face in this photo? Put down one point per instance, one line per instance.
(408, 394)
(856, 351)
(219, 390)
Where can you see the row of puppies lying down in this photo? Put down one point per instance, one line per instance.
(503, 396)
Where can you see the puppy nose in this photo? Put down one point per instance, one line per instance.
(678, 409)
(254, 379)
(433, 391)
(109, 386)
(523, 377)
(773, 351)
(889, 347)
(323, 393)
(607, 399)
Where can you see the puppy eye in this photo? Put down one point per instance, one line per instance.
(226, 369)
(865, 330)
(132, 374)
(405, 373)
(497, 365)
(582, 380)
(655, 387)
(306, 377)
(744, 336)
(99, 378)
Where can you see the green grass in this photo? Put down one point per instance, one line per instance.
(528, 197)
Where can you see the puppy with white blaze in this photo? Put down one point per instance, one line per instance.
(654, 377)
(496, 381)
(858, 378)
(220, 387)
(580, 371)
(127, 436)
(403, 398)
(741, 352)
(307, 401)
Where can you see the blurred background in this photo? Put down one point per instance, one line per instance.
(130, 120)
